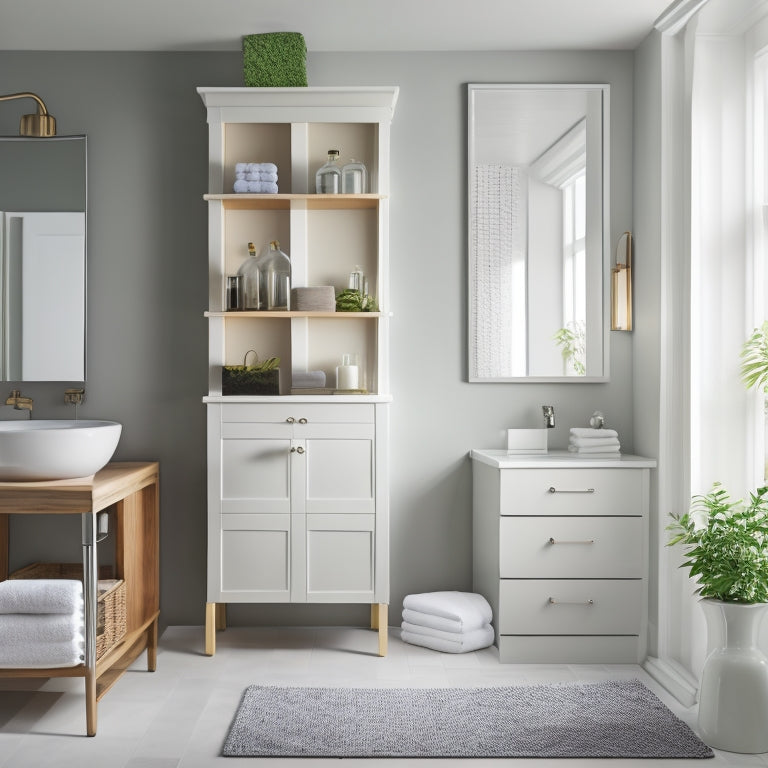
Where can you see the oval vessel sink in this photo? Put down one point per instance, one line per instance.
(55, 449)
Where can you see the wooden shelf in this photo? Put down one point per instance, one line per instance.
(293, 313)
(282, 201)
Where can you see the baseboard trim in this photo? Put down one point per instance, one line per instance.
(674, 678)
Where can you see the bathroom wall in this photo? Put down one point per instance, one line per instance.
(147, 273)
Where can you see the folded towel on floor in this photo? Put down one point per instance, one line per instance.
(20, 628)
(306, 379)
(455, 642)
(255, 187)
(466, 608)
(591, 442)
(33, 655)
(589, 432)
(440, 623)
(41, 596)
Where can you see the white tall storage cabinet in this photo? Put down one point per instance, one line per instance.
(298, 501)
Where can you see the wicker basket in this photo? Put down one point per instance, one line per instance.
(110, 608)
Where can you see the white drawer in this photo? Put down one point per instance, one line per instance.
(571, 547)
(570, 607)
(313, 412)
(587, 491)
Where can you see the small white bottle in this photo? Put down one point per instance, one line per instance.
(348, 373)
(328, 177)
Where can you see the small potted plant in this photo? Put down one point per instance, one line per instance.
(726, 550)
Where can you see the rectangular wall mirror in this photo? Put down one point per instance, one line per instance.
(43, 200)
(538, 232)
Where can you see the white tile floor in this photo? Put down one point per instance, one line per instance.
(178, 716)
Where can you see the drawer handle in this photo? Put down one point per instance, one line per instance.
(297, 450)
(290, 419)
(570, 541)
(552, 489)
(302, 420)
(552, 601)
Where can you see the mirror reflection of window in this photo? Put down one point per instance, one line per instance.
(575, 274)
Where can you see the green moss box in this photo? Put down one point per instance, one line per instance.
(245, 380)
(275, 60)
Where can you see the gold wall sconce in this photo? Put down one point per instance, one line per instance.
(40, 124)
(621, 285)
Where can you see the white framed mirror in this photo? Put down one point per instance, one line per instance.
(43, 202)
(538, 232)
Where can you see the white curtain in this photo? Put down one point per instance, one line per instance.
(499, 236)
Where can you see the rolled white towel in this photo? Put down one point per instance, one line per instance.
(589, 432)
(466, 608)
(255, 168)
(240, 186)
(41, 596)
(43, 655)
(591, 442)
(459, 642)
(20, 628)
(256, 176)
(598, 450)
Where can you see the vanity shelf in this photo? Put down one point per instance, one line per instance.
(131, 491)
(298, 491)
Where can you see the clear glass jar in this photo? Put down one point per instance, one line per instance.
(354, 178)
(275, 268)
(328, 177)
(251, 280)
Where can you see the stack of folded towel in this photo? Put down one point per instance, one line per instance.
(454, 622)
(594, 441)
(41, 623)
(256, 178)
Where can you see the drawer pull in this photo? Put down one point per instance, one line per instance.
(570, 541)
(302, 420)
(552, 489)
(290, 419)
(297, 450)
(552, 601)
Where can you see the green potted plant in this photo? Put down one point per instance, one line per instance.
(726, 549)
(754, 356)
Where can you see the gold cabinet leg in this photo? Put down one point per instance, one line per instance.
(379, 620)
(221, 615)
(90, 702)
(210, 629)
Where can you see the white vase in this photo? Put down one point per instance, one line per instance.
(733, 696)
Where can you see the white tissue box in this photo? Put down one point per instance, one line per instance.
(526, 441)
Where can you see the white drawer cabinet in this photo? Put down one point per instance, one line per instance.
(560, 550)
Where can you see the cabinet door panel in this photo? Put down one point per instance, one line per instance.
(255, 476)
(340, 558)
(255, 556)
(584, 547)
(340, 476)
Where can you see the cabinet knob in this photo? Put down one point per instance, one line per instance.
(290, 419)
(302, 420)
(299, 450)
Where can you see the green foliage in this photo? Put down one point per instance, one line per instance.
(573, 341)
(754, 356)
(351, 300)
(726, 545)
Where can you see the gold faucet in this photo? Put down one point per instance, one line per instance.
(18, 402)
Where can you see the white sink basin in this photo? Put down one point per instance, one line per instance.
(55, 449)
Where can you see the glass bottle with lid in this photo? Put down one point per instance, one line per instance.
(328, 177)
(275, 268)
(354, 178)
(251, 275)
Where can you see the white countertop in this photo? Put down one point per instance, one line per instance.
(566, 459)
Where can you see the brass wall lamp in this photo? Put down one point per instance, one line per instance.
(40, 124)
(621, 285)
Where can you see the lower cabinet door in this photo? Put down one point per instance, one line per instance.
(339, 558)
(256, 557)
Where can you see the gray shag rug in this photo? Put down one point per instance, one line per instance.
(592, 720)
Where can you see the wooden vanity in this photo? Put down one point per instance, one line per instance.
(131, 491)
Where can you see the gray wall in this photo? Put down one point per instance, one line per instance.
(147, 338)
